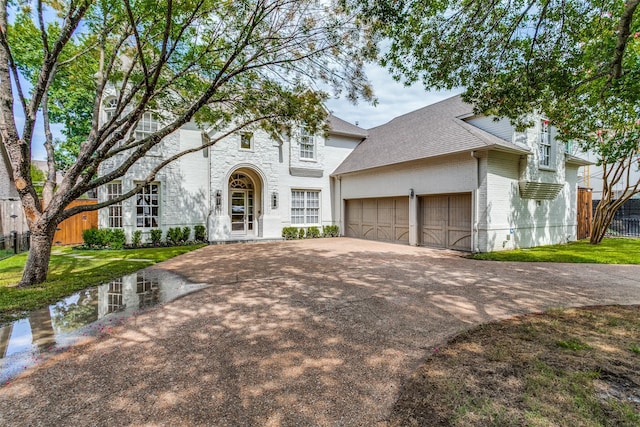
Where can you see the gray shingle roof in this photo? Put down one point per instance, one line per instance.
(337, 126)
(431, 131)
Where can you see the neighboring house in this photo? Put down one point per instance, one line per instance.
(439, 176)
(442, 176)
(11, 214)
(591, 177)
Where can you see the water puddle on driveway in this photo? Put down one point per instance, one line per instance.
(87, 313)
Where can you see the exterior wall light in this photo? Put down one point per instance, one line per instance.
(411, 193)
(274, 200)
(218, 199)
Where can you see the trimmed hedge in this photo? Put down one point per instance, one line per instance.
(98, 238)
(199, 232)
(312, 232)
(330, 231)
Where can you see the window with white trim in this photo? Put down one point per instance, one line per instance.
(307, 144)
(110, 106)
(246, 141)
(148, 206)
(114, 190)
(545, 143)
(147, 126)
(305, 207)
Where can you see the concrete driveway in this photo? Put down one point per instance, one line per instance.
(316, 332)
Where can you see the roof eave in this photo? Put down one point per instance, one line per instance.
(495, 147)
(349, 134)
(573, 160)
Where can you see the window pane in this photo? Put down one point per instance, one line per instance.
(307, 142)
(114, 215)
(148, 206)
(305, 207)
(245, 140)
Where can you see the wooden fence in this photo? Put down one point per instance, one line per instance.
(584, 212)
(70, 230)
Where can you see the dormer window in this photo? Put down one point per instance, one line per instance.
(545, 144)
(307, 144)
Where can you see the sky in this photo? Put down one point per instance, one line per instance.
(394, 99)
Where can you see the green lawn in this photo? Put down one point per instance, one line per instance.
(68, 273)
(610, 251)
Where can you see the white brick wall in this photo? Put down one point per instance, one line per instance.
(514, 222)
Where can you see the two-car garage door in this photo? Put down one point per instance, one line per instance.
(445, 220)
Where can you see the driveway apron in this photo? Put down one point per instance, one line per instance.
(315, 332)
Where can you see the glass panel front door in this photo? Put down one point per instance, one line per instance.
(241, 211)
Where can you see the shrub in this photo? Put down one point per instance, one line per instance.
(313, 232)
(186, 232)
(94, 237)
(136, 238)
(301, 233)
(104, 237)
(156, 236)
(116, 238)
(290, 233)
(174, 235)
(330, 231)
(199, 233)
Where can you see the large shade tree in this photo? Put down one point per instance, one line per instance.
(229, 63)
(577, 61)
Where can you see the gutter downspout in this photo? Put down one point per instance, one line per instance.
(475, 244)
(340, 206)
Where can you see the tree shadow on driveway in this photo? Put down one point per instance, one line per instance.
(319, 332)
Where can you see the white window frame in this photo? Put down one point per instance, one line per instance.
(307, 144)
(148, 214)
(545, 145)
(114, 212)
(246, 136)
(147, 125)
(110, 105)
(305, 207)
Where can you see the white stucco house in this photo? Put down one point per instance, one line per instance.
(439, 176)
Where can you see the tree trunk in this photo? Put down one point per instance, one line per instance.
(600, 223)
(37, 266)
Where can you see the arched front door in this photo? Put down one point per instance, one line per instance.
(241, 209)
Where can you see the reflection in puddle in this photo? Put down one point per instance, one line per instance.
(50, 330)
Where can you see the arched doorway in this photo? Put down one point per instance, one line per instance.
(242, 204)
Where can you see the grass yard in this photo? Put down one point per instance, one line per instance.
(610, 251)
(72, 270)
(574, 367)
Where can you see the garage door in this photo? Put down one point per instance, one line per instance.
(385, 219)
(446, 221)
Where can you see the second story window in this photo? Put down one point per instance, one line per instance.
(147, 125)
(246, 141)
(307, 144)
(545, 143)
(110, 106)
